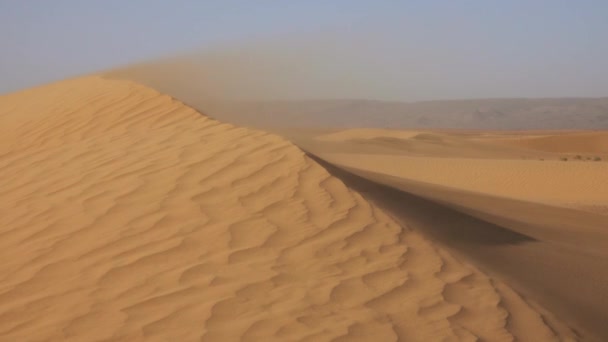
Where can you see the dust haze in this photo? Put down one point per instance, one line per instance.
(337, 82)
(166, 218)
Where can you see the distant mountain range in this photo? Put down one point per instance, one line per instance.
(201, 85)
(500, 114)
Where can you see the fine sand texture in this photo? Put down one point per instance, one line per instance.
(539, 200)
(129, 216)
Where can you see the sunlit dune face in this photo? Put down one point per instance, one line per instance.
(130, 216)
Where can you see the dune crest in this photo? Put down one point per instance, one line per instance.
(128, 216)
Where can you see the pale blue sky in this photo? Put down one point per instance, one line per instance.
(411, 49)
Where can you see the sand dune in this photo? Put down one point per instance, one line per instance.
(553, 212)
(575, 142)
(533, 167)
(549, 181)
(129, 216)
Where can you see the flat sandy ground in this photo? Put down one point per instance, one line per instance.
(128, 216)
(536, 203)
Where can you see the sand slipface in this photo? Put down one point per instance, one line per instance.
(128, 216)
(536, 203)
(561, 168)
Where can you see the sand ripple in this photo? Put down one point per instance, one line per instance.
(129, 216)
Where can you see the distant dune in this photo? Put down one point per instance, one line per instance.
(541, 200)
(559, 168)
(129, 216)
(576, 142)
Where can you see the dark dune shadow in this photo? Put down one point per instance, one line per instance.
(565, 278)
(442, 223)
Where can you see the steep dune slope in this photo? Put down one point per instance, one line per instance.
(128, 215)
(556, 209)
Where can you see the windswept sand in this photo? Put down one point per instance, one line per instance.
(553, 211)
(129, 216)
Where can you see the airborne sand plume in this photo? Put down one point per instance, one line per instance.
(129, 216)
(260, 86)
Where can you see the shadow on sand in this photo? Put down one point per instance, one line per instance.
(565, 278)
(439, 221)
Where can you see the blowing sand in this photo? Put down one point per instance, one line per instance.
(540, 201)
(128, 216)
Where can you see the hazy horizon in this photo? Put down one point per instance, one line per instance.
(418, 51)
(348, 170)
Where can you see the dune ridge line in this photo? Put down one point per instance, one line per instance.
(130, 216)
